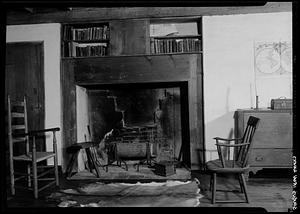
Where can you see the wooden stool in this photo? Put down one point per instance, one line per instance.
(75, 149)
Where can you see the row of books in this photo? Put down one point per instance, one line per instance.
(175, 45)
(90, 33)
(74, 49)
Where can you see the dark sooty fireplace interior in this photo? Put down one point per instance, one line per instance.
(149, 119)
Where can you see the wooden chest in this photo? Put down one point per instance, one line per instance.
(281, 104)
(165, 168)
(272, 142)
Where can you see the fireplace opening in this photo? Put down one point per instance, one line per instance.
(143, 124)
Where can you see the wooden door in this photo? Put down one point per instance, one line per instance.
(24, 76)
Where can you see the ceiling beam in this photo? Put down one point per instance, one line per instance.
(94, 14)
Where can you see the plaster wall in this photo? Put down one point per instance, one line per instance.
(228, 65)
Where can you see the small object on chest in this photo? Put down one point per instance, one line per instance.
(281, 104)
(165, 168)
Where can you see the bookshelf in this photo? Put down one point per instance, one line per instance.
(85, 40)
(175, 38)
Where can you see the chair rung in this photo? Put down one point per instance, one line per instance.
(31, 175)
(46, 172)
(21, 177)
(43, 167)
(19, 139)
(47, 185)
(18, 127)
(16, 114)
(222, 190)
(46, 179)
(231, 201)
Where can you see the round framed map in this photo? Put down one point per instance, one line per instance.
(273, 58)
(267, 60)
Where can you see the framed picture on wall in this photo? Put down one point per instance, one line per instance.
(273, 58)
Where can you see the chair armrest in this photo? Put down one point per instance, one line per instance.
(224, 139)
(35, 132)
(232, 145)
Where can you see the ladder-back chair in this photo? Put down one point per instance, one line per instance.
(18, 133)
(237, 163)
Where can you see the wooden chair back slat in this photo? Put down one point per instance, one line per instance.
(19, 139)
(247, 138)
(17, 103)
(240, 153)
(17, 115)
(17, 123)
(14, 127)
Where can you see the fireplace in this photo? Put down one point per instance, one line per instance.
(143, 121)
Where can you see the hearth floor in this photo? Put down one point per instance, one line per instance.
(117, 173)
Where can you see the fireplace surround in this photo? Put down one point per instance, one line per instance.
(144, 121)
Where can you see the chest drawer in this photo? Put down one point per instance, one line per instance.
(271, 157)
(274, 129)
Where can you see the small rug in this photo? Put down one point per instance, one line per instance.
(153, 194)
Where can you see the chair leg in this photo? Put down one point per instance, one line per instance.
(71, 164)
(214, 188)
(93, 161)
(241, 184)
(87, 151)
(126, 167)
(35, 181)
(210, 182)
(28, 175)
(56, 170)
(12, 178)
(244, 187)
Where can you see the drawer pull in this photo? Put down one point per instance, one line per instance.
(259, 158)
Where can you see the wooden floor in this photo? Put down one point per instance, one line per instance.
(272, 192)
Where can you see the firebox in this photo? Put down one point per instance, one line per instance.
(145, 122)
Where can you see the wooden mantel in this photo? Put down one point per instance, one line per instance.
(133, 69)
(94, 14)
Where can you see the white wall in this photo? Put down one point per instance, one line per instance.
(50, 35)
(82, 122)
(229, 80)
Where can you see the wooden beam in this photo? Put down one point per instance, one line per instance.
(95, 14)
(133, 69)
(69, 128)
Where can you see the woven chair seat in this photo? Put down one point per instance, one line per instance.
(40, 156)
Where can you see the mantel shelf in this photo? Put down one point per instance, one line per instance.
(134, 55)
